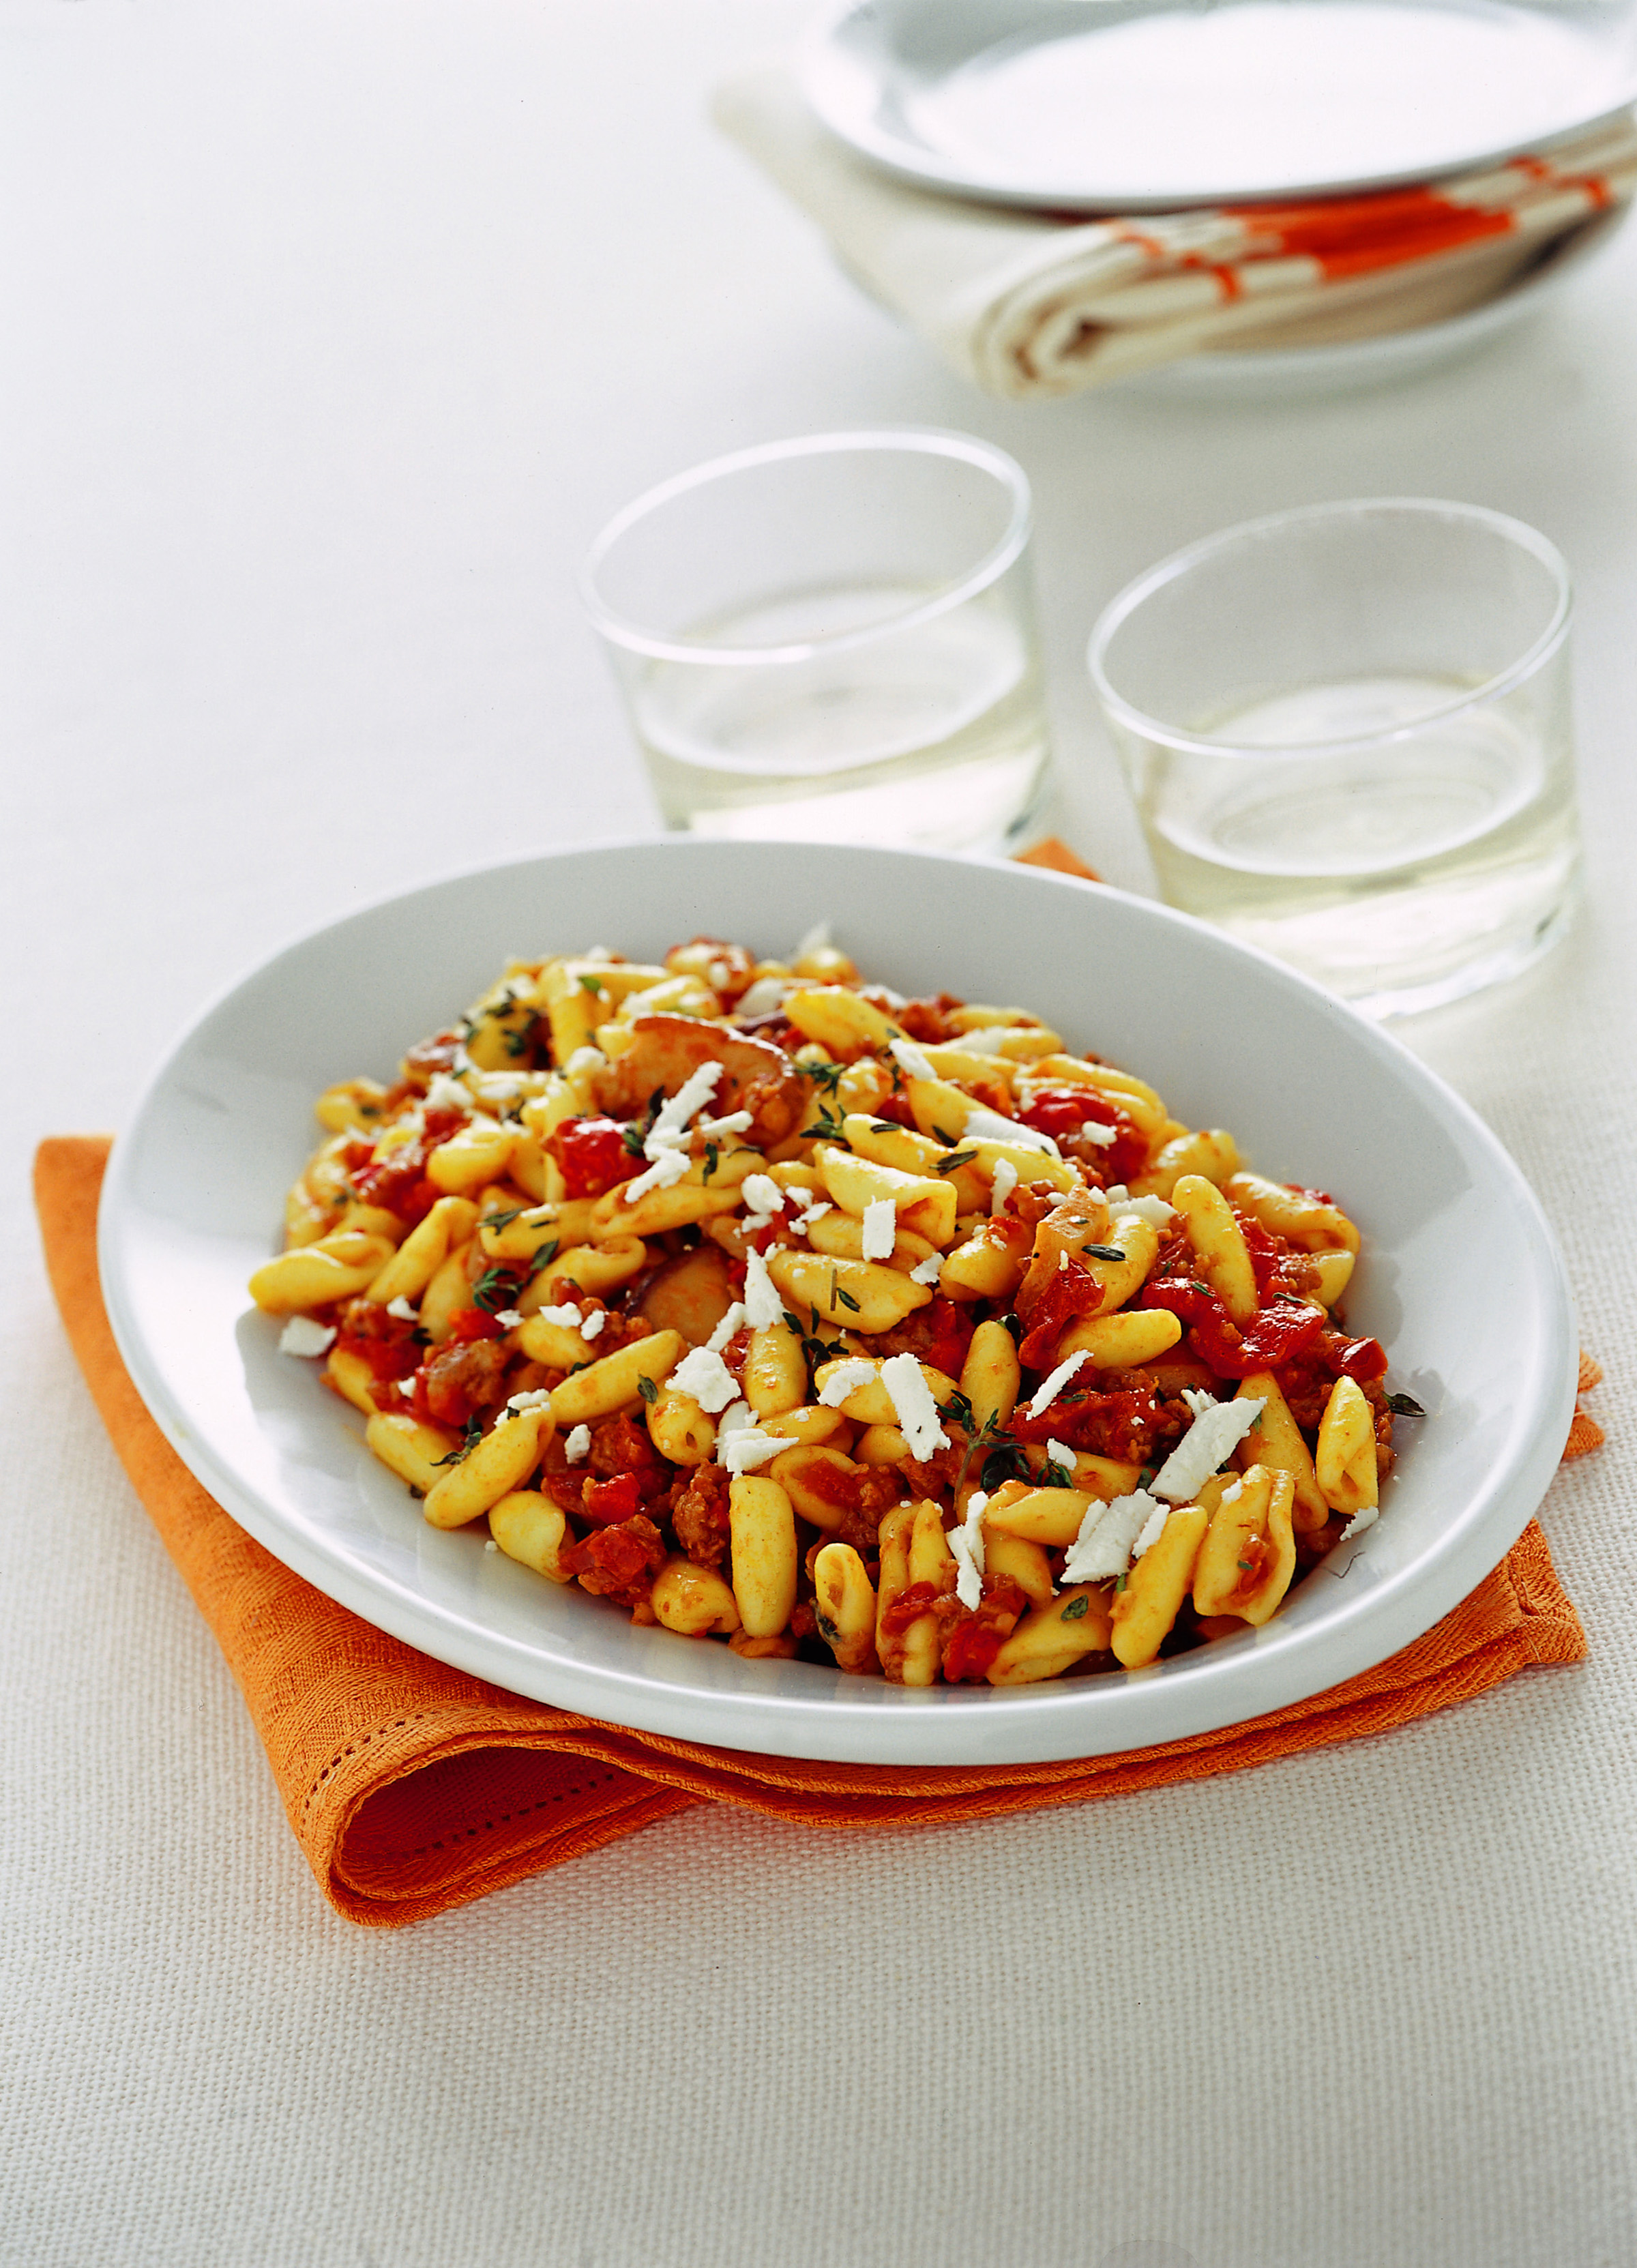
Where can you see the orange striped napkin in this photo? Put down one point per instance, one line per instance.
(1034, 304)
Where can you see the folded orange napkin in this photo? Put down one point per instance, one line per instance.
(411, 1787)
(1030, 305)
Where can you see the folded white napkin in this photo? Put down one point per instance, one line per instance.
(1030, 305)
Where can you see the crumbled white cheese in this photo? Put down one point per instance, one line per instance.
(600, 953)
(1152, 1530)
(764, 998)
(966, 1542)
(743, 1450)
(707, 1378)
(566, 1313)
(1117, 1193)
(584, 1062)
(302, 1336)
(1218, 1429)
(1154, 1210)
(1059, 1453)
(717, 1130)
(497, 1087)
(733, 1320)
(721, 974)
(1366, 1516)
(1103, 1546)
(909, 1058)
(492, 1545)
(819, 938)
(1002, 1186)
(1232, 1494)
(666, 1167)
(762, 1193)
(593, 1322)
(927, 1270)
(1054, 1382)
(446, 1094)
(1063, 1261)
(402, 1310)
(880, 1229)
(540, 1399)
(989, 1126)
(665, 1145)
(845, 1378)
(912, 1400)
(764, 1305)
(508, 1319)
(577, 1448)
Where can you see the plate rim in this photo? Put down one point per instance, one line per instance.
(833, 79)
(943, 1727)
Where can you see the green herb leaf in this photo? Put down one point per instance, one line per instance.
(474, 1435)
(648, 1390)
(958, 1410)
(1015, 1326)
(543, 1258)
(1007, 1463)
(632, 1137)
(827, 1075)
(1103, 1252)
(1405, 1405)
(1245, 1563)
(1204, 1290)
(592, 984)
(711, 1158)
(495, 1288)
(501, 1219)
(884, 1126)
(956, 1158)
(949, 1140)
(847, 1300)
(1119, 1583)
(1053, 1474)
(1074, 1611)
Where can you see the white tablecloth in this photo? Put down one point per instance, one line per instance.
(333, 329)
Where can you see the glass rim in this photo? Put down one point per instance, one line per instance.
(921, 440)
(1177, 564)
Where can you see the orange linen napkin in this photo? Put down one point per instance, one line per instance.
(1033, 304)
(412, 1788)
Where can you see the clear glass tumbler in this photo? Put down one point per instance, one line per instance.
(833, 639)
(1347, 732)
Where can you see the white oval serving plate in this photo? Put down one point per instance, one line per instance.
(1131, 106)
(1461, 1279)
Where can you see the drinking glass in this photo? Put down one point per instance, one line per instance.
(833, 639)
(1347, 732)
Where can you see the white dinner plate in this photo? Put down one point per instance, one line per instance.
(1137, 105)
(1460, 1278)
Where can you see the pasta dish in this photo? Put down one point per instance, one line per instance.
(772, 1308)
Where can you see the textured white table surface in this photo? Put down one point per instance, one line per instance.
(332, 328)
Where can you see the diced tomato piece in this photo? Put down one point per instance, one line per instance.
(1072, 1292)
(593, 1155)
(606, 1504)
(1061, 1111)
(1280, 1332)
